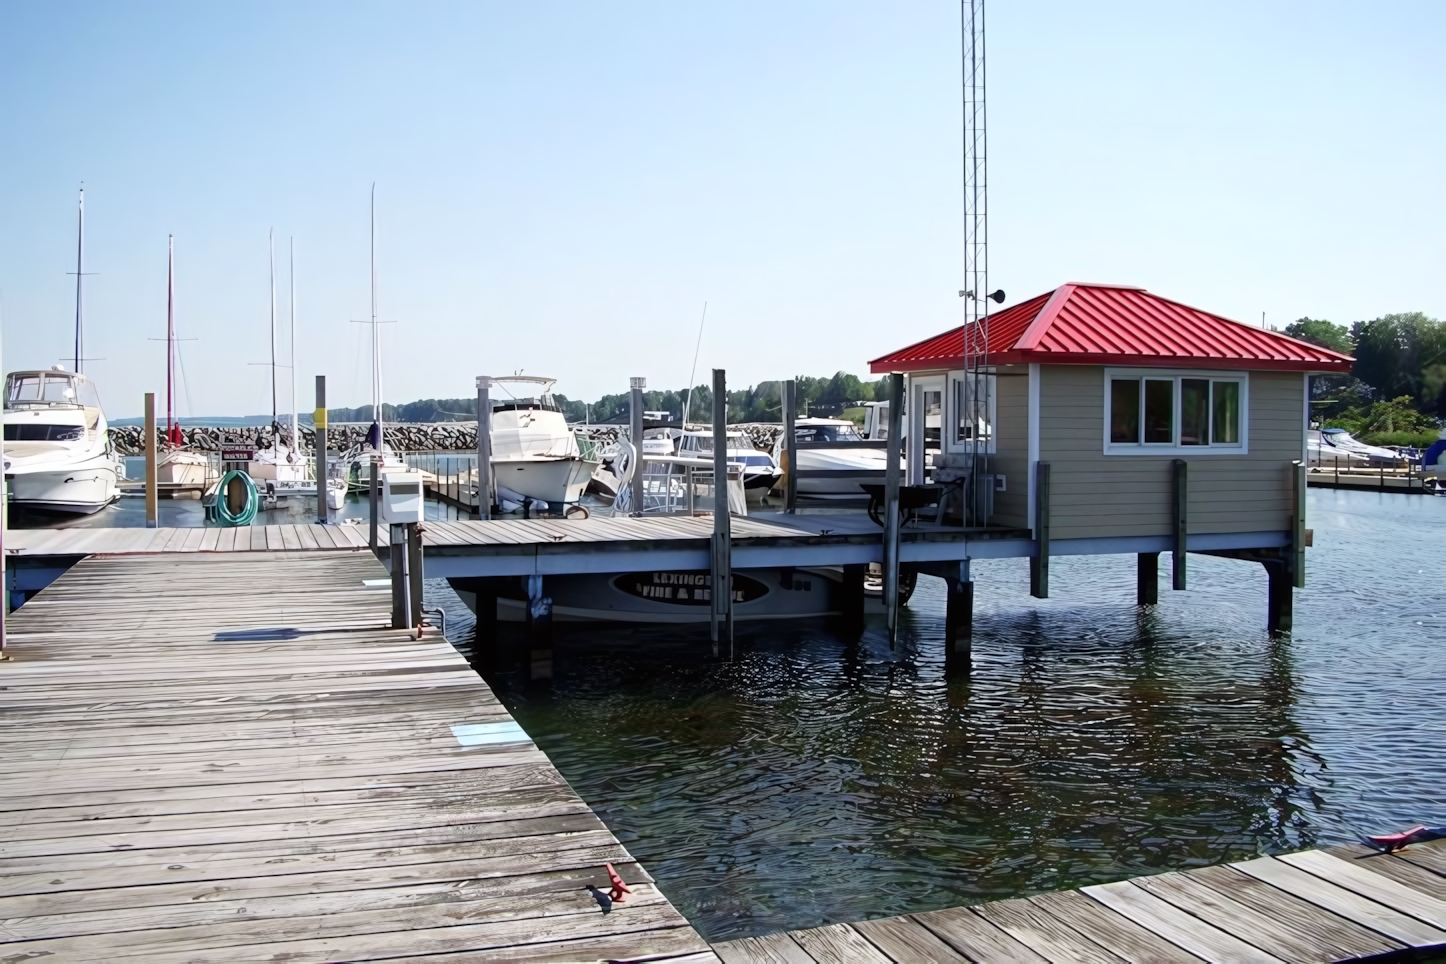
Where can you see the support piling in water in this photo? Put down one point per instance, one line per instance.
(152, 507)
(1039, 562)
(319, 419)
(635, 427)
(851, 599)
(539, 629)
(484, 448)
(893, 452)
(790, 445)
(721, 596)
(1147, 579)
(958, 618)
(1182, 522)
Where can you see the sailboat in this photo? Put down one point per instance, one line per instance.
(282, 469)
(58, 456)
(353, 466)
(175, 466)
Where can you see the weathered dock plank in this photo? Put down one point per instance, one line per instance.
(1316, 907)
(225, 756)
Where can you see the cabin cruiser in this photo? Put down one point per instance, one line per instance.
(58, 455)
(178, 467)
(1338, 443)
(534, 453)
(854, 462)
(760, 470)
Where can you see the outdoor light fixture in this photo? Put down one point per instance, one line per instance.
(997, 297)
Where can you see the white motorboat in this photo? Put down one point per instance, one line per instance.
(1337, 442)
(181, 468)
(58, 455)
(760, 470)
(534, 452)
(851, 464)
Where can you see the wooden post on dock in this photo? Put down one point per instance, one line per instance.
(1297, 529)
(374, 495)
(401, 578)
(318, 419)
(790, 445)
(958, 618)
(484, 447)
(851, 592)
(152, 504)
(1147, 579)
(635, 429)
(1182, 522)
(891, 505)
(1039, 562)
(721, 624)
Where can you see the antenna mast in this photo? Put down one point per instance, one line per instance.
(976, 248)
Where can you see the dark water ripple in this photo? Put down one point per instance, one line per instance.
(816, 780)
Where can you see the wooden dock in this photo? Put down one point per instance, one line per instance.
(223, 756)
(1345, 903)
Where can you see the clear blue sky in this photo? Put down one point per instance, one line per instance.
(562, 186)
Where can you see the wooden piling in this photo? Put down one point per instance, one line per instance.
(484, 448)
(374, 496)
(1039, 562)
(790, 446)
(1182, 521)
(958, 618)
(539, 629)
(635, 428)
(1280, 606)
(319, 421)
(893, 452)
(851, 599)
(721, 622)
(1147, 579)
(152, 503)
(1297, 529)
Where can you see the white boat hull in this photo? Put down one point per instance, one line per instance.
(182, 468)
(551, 480)
(675, 596)
(82, 488)
(838, 460)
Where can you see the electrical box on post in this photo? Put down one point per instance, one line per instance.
(401, 496)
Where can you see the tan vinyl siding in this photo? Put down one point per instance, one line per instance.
(1098, 495)
(1011, 507)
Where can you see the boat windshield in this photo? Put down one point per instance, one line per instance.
(545, 403)
(49, 390)
(827, 433)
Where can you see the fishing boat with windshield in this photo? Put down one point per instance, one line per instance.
(535, 454)
(58, 456)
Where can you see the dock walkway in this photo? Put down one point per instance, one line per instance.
(231, 757)
(1315, 907)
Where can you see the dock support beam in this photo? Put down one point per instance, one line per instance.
(891, 505)
(721, 598)
(851, 599)
(539, 630)
(406, 576)
(958, 619)
(790, 446)
(1182, 521)
(318, 419)
(484, 447)
(152, 508)
(1280, 609)
(1039, 562)
(635, 429)
(1147, 579)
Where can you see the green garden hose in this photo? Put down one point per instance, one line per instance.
(236, 500)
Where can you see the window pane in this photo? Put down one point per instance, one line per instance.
(1125, 410)
(57, 389)
(1194, 411)
(25, 388)
(1159, 411)
(1227, 413)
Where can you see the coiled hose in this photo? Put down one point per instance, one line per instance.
(235, 500)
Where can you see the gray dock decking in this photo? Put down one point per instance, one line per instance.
(1314, 907)
(231, 757)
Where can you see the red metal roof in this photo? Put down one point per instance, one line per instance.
(1090, 324)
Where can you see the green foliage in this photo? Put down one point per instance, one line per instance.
(1420, 440)
(1323, 333)
(1399, 415)
(1394, 351)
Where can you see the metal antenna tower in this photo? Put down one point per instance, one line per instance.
(975, 406)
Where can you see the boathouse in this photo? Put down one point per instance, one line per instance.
(1115, 420)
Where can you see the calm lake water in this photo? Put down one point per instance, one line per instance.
(817, 779)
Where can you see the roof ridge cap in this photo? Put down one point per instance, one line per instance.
(1035, 332)
(1106, 284)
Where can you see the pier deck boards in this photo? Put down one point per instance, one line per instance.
(229, 756)
(1344, 903)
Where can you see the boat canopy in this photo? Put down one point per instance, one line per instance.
(49, 389)
(524, 392)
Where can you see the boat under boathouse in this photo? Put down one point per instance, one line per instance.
(1107, 419)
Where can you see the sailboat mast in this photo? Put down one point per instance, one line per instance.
(295, 432)
(376, 333)
(171, 429)
(271, 240)
(79, 280)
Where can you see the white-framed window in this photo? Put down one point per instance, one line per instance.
(1155, 412)
(972, 410)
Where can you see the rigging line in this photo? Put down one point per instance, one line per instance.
(688, 400)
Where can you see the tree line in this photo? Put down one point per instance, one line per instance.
(828, 395)
(1396, 391)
